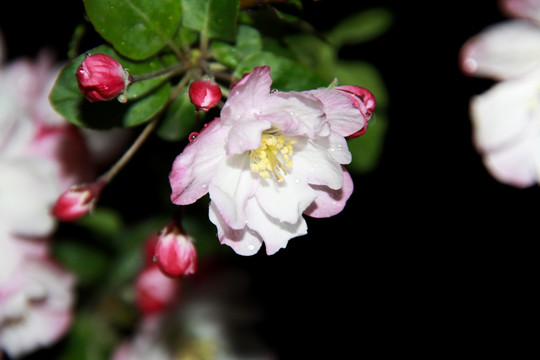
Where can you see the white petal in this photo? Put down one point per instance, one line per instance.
(242, 241)
(232, 185)
(275, 233)
(312, 162)
(505, 113)
(503, 51)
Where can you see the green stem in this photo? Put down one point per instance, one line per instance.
(170, 71)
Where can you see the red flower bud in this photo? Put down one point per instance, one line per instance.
(175, 253)
(155, 292)
(204, 94)
(363, 100)
(76, 201)
(101, 78)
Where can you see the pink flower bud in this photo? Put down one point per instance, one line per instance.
(76, 201)
(363, 100)
(101, 78)
(204, 94)
(175, 253)
(155, 292)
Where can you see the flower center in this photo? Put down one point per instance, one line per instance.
(273, 156)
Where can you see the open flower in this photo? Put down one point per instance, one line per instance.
(270, 158)
(506, 118)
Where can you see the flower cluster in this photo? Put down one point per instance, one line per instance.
(506, 117)
(270, 158)
(40, 156)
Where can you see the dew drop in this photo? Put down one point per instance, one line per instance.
(193, 136)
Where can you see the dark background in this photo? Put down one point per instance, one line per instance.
(431, 257)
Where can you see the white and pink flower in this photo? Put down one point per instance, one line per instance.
(270, 158)
(40, 156)
(506, 118)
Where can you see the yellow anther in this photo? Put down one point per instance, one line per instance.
(273, 155)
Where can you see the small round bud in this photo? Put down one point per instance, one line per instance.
(175, 253)
(76, 201)
(204, 94)
(101, 78)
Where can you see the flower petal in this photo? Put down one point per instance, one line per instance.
(193, 169)
(330, 202)
(276, 233)
(505, 113)
(247, 95)
(295, 114)
(242, 241)
(502, 51)
(313, 163)
(232, 185)
(246, 135)
(344, 118)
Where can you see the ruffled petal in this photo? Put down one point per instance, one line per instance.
(315, 165)
(503, 51)
(232, 185)
(295, 114)
(247, 95)
(287, 200)
(243, 241)
(193, 169)
(246, 135)
(276, 233)
(344, 118)
(330, 202)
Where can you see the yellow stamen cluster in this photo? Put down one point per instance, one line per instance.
(273, 156)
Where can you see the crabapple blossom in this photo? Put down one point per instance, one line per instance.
(40, 156)
(35, 306)
(506, 118)
(270, 158)
(204, 94)
(101, 78)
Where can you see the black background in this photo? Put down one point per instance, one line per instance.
(431, 257)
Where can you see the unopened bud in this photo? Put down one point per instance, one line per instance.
(102, 78)
(175, 253)
(76, 201)
(204, 94)
(363, 100)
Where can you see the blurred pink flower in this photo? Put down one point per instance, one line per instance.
(40, 156)
(35, 306)
(270, 158)
(506, 118)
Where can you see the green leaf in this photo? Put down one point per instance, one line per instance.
(363, 74)
(145, 98)
(361, 27)
(248, 41)
(287, 75)
(178, 120)
(215, 19)
(137, 29)
(313, 53)
(85, 261)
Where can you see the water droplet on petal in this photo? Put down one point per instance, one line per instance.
(193, 136)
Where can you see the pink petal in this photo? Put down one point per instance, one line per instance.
(330, 202)
(193, 169)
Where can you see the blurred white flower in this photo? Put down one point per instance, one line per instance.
(506, 118)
